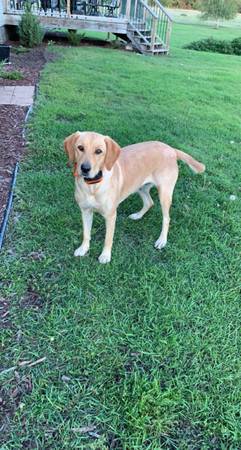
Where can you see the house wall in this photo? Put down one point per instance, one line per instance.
(3, 34)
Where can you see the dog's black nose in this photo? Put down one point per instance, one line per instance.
(85, 167)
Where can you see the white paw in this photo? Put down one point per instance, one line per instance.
(82, 250)
(135, 216)
(105, 257)
(160, 243)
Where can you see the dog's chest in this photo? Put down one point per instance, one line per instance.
(88, 199)
(91, 202)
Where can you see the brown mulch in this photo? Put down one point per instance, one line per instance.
(29, 64)
(11, 147)
(12, 118)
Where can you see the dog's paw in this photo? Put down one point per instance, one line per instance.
(105, 257)
(135, 216)
(160, 243)
(82, 250)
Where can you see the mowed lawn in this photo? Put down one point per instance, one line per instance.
(143, 353)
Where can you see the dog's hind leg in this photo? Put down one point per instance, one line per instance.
(144, 192)
(165, 191)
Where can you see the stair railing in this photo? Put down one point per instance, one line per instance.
(164, 22)
(151, 22)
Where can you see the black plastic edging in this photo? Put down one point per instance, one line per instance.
(13, 182)
(9, 205)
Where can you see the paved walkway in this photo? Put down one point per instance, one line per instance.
(16, 95)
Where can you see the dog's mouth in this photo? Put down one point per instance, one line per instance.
(96, 179)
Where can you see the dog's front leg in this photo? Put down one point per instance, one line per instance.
(87, 219)
(105, 256)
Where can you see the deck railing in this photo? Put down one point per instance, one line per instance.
(64, 8)
(164, 22)
(151, 22)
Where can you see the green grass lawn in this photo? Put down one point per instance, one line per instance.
(144, 351)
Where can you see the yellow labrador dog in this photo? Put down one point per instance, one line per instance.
(106, 175)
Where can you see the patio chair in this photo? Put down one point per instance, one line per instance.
(79, 7)
(92, 8)
(112, 7)
(50, 4)
(20, 4)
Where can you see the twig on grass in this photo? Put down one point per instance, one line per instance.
(22, 364)
(83, 430)
(37, 362)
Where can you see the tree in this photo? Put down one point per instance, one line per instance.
(219, 9)
(30, 32)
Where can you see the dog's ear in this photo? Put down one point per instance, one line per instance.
(69, 145)
(113, 151)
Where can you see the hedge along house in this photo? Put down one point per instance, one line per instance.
(144, 23)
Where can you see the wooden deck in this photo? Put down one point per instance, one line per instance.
(105, 24)
(147, 27)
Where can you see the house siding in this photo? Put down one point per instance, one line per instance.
(3, 35)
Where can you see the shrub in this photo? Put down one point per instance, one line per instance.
(30, 31)
(11, 75)
(20, 49)
(212, 45)
(75, 38)
(236, 44)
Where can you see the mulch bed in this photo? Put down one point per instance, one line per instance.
(11, 147)
(29, 64)
(12, 117)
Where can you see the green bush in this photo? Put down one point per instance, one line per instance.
(10, 75)
(13, 75)
(74, 37)
(30, 31)
(236, 44)
(20, 49)
(213, 45)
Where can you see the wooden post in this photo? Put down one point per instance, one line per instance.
(169, 29)
(5, 5)
(128, 9)
(68, 8)
(153, 33)
(135, 9)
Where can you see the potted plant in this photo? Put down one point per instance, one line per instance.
(4, 52)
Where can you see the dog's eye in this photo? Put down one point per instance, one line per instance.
(80, 148)
(98, 151)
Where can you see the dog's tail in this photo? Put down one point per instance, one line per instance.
(195, 165)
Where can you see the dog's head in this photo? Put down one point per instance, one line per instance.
(91, 152)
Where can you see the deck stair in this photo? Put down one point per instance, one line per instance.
(149, 27)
